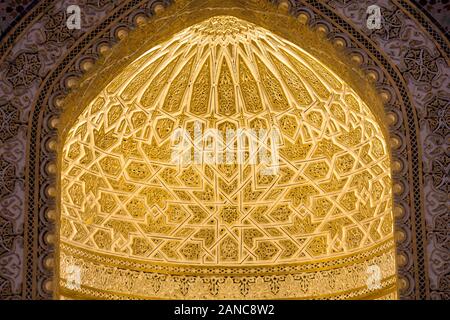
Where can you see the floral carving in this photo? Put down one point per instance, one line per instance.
(24, 69)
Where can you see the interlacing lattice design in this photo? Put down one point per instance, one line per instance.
(123, 195)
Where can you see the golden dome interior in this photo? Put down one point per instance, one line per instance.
(125, 201)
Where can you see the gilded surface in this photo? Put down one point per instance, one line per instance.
(122, 197)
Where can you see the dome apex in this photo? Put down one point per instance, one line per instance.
(222, 27)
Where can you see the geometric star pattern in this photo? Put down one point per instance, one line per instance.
(122, 195)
